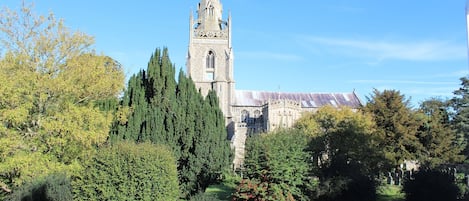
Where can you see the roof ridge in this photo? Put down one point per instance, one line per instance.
(290, 92)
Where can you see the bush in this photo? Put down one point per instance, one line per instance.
(431, 185)
(358, 189)
(55, 187)
(278, 167)
(350, 188)
(128, 171)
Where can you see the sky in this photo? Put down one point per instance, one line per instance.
(416, 47)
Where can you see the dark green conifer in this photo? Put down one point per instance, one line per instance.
(460, 120)
(397, 125)
(164, 111)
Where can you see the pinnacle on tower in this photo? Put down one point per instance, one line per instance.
(209, 15)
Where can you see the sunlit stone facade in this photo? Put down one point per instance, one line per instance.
(210, 65)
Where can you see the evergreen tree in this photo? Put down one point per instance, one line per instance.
(134, 99)
(436, 135)
(156, 108)
(54, 187)
(460, 121)
(397, 125)
(277, 167)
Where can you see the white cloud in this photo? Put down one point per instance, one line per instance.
(457, 74)
(413, 82)
(431, 92)
(380, 50)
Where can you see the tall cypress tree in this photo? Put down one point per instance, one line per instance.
(135, 99)
(164, 111)
(218, 136)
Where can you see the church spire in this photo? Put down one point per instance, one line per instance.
(209, 15)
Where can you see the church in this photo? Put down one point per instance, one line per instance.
(210, 65)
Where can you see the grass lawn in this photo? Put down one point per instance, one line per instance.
(221, 191)
(390, 193)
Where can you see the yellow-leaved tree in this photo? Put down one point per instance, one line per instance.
(50, 81)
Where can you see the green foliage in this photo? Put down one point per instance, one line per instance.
(129, 171)
(397, 125)
(344, 138)
(460, 121)
(205, 197)
(431, 185)
(277, 167)
(345, 150)
(157, 109)
(353, 187)
(51, 81)
(55, 187)
(438, 138)
(461, 183)
(220, 191)
(390, 193)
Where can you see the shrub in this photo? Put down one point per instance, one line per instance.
(128, 171)
(350, 188)
(431, 185)
(278, 167)
(55, 187)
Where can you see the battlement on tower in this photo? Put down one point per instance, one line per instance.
(203, 34)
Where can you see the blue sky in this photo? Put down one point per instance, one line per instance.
(416, 47)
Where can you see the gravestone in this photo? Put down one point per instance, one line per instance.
(390, 180)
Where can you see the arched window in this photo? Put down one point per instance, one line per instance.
(210, 60)
(257, 114)
(244, 116)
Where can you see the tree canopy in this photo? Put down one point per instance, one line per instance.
(343, 135)
(51, 80)
(460, 121)
(158, 109)
(277, 167)
(397, 125)
(346, 153)
(438, 138)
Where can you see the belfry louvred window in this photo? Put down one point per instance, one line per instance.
(210, 60)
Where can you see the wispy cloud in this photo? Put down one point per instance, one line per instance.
(442, 92)
(413, 82)
(419, 93)
(265, 55)
(379, 50)
(457, 74)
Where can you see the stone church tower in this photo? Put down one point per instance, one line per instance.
(210, 55)
(210, 65)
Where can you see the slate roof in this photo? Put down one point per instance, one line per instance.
(308, 100)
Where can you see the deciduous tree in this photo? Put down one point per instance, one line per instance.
(51, 80)
(341, 134)
(346, 152)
